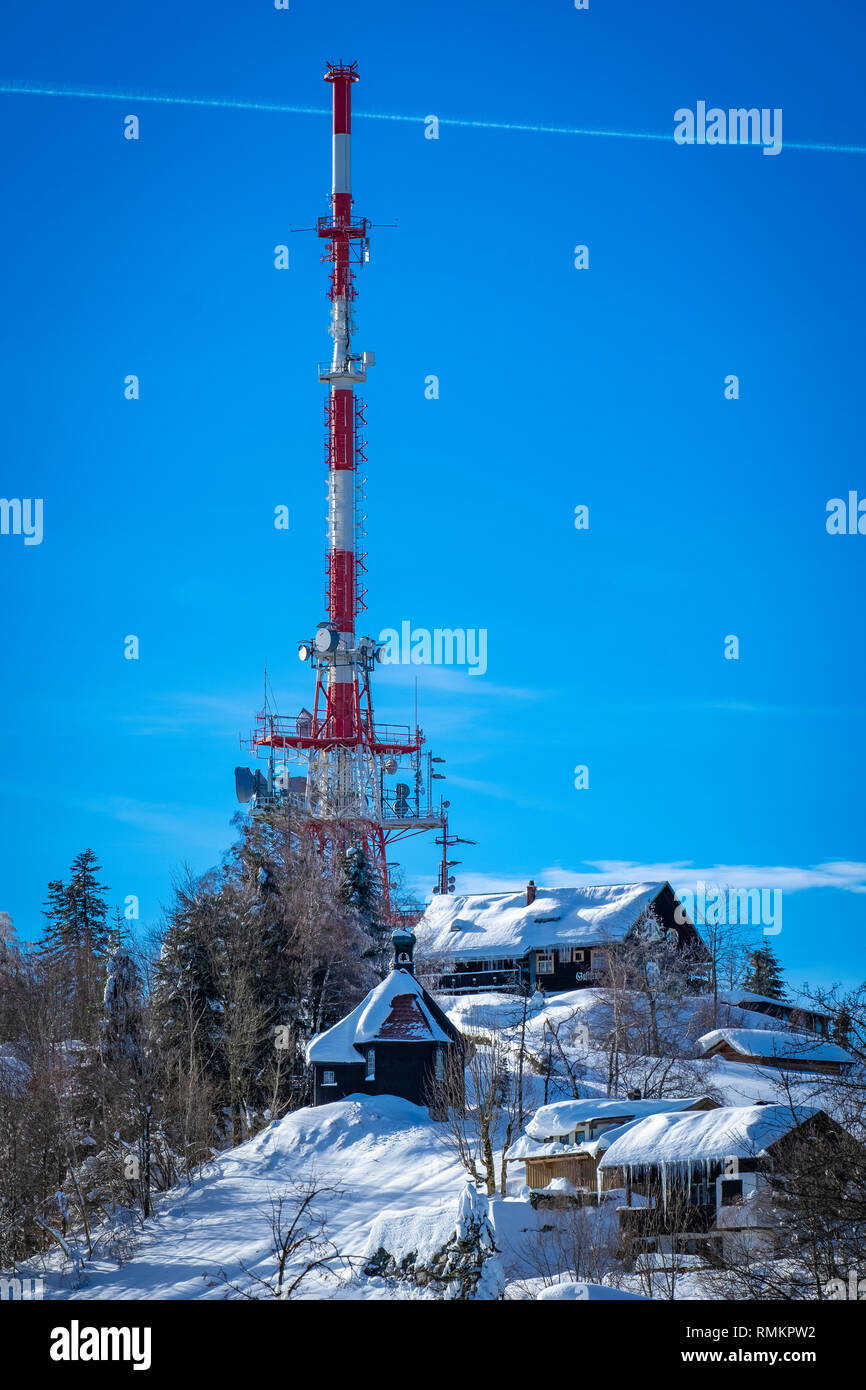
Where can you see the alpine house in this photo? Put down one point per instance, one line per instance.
(705, 1180)
(564, 1141)
(552, 938)
(396, 1042)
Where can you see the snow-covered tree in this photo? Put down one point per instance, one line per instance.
(122, 1026)
(467, 1273)
(358, 889)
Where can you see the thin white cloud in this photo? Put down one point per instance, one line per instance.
(844, 875)
(181, 711)
(449, 680)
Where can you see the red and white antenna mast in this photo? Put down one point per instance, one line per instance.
(364, 783)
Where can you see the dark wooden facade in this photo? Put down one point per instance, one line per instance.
(405, 1069)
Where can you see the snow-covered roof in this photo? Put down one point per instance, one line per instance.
(762, 1042)
(503, 924)
(567, 1115)
(524, 1147)
(741, 1131)
(397, 1010)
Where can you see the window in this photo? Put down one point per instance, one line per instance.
(544, 962)
(732, 1191)
(370, 1074)
(440, 1064)
(581, 1136)
(328, 1078)
(599, 960)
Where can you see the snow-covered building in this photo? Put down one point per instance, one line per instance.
(795, 1013)
(703, 1180)
(396, 1042)
(762, 1047)
(555, 938)
(563, 1142)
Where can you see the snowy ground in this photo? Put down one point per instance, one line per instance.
(736, 1084)
(381, 1151)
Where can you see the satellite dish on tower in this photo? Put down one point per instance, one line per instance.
(390, 766)
(249, 784)
(244, 784)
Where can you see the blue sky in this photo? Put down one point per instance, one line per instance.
(557, 387)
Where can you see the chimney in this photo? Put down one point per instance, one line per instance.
(404, 950)
(530, 892)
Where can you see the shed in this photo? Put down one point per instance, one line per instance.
(396, 1042)
(762, 1047)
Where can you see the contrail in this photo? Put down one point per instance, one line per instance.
(280, 108)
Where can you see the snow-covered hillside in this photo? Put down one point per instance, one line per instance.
(382, 1152)
(394, 1170)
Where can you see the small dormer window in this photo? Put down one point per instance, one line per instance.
(370, 1073)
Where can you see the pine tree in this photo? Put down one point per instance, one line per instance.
(88, 917)
(76, 942)
(57, 911)
(764, 973)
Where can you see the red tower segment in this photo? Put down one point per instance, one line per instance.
(345, 235)
(347, 796)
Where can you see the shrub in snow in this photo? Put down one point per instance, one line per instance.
(452, 1259)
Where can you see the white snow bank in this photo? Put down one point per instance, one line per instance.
(383, 1152)
(593, 1293)
(418, 1231)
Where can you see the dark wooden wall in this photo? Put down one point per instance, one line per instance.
(402, 1069)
